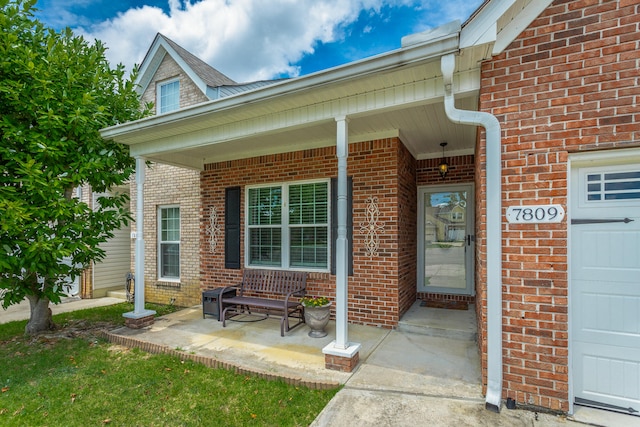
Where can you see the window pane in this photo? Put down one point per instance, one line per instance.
(309, 247)
(265, 246)
(623, 185)
(308, 203)
(265, 206)
(170, 260)
(170, 243)
(169, 96)
(170, 224)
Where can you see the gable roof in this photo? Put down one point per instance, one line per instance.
(211, 82)
(206, 72)
(202, 74)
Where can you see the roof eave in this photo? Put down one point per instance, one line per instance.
(420, 52)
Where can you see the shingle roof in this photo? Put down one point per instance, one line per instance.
(211, 76)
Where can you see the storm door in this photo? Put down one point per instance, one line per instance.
(445, 239)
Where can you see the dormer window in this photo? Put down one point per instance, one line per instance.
(168, 96)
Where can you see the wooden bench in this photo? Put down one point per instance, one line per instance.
(267, 291)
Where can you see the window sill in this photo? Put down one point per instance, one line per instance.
(168, 285)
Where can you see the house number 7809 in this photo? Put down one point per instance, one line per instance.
(535, 214)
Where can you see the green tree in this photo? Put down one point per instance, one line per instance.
(57, 91)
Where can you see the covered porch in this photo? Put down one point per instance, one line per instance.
(395, 103)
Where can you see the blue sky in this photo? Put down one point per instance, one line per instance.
(255, 39)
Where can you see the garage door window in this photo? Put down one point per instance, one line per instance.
(620, 185)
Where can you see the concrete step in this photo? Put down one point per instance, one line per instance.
(434, 331)
(439, 322)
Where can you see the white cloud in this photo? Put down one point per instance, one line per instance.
(245, 39)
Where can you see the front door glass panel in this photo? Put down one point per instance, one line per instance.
(446, 240)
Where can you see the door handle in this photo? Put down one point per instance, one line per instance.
(599, 221)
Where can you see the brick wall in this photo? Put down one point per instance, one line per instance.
(190, 94)
(169, 185)
(569, 83)
(407, 230)
(374, 287)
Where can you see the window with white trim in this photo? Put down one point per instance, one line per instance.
(169, 243)
(288, 226)
(168, 94)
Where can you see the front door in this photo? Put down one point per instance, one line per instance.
(445, 239)
(605, 284)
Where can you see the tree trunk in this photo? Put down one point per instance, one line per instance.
(41, 317)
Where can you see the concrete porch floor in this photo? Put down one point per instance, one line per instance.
(418, 346)
(252, 344)
(426, 372)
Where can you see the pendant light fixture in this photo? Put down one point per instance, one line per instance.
(443, 167)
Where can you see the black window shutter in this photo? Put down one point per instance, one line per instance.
(232, 228)
(334, 222)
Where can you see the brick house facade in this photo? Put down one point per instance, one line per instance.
(569, 83)
(168, 185)
(562, 80)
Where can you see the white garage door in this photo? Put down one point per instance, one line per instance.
(605, 281)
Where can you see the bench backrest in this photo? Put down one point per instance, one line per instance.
(277, 282)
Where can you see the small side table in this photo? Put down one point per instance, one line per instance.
(210, 303)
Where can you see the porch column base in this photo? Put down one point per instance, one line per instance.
(341, 359)
(141, 320)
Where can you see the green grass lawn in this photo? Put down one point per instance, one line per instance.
(70, 377)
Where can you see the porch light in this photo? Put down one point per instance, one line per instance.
(443, 167)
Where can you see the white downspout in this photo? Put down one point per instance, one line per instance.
(491, 125)
(138, 307)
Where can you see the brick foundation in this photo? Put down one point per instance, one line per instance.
(139, 323)
(342, 364)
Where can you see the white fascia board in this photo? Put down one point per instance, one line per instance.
(152, 62)
(412, 54)
(149, 67)
(523, 19)
(482, 28)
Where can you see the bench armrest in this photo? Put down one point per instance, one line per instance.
(297, 293)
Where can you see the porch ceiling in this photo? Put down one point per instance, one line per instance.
(403, 99)
(421, 128)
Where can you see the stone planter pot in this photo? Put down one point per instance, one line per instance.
(317, 319)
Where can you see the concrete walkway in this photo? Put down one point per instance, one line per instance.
(23, 312)
(404, 378)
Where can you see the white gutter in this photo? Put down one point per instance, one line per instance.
(491, 125)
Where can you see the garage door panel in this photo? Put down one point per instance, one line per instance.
(608, 377)
(615, 312)
(606, 252)
(605, 284)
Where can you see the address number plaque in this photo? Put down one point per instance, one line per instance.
(535, 214)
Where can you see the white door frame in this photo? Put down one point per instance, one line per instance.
(470, 232)
(581, 160)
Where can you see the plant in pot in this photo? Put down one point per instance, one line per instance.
(317, 311)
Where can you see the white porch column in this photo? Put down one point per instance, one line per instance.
(341, 347)
(138, 308)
